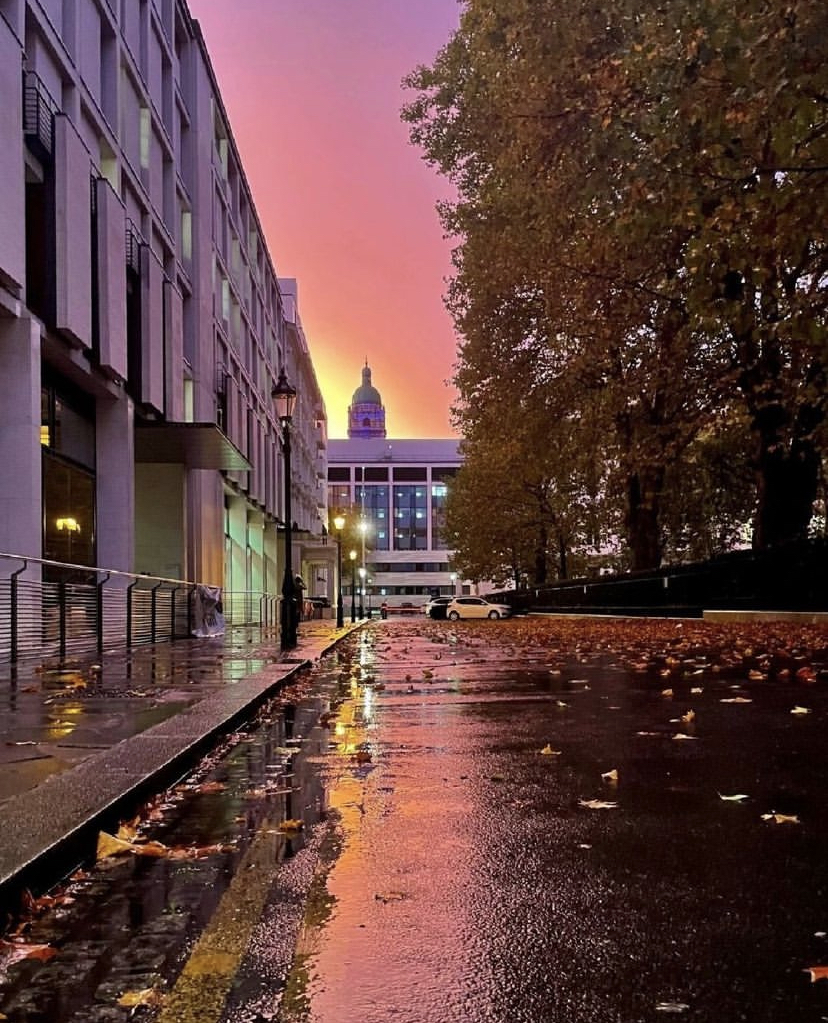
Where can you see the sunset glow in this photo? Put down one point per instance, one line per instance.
(313, 92)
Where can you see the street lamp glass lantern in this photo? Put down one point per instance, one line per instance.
(339, 523)
(284, 397)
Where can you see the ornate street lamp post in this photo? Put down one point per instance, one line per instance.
(362, 591)
(353, 556)
(284, 398)
(339, 525)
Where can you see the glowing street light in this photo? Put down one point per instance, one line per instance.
(339, 525)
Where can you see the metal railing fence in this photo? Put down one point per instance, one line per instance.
(50, 609)
(786, 578)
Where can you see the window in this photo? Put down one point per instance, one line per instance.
(410, 523)
(410, 474)
(373, 502)
(439, 493)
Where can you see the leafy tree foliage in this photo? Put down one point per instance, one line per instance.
(641, 240)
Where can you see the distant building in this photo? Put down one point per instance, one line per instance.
(366, 414)
(398, 488)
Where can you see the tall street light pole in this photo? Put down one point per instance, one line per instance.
(339, 525)
(353, 556)
(361, 591)
(284, 398)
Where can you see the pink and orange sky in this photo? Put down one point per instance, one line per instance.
(313, 91)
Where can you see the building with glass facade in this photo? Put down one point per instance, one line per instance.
(398, 489)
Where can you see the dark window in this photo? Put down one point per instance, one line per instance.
(410, 474)
(443, 474)
(339, 474)
(376, 475)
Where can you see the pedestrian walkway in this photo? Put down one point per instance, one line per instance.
(81, 739)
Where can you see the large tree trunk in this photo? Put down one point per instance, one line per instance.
(541, 573)
(643, 513)
(563, 558)
(787, 480)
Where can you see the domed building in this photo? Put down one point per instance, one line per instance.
(395, 489)
(366, 413)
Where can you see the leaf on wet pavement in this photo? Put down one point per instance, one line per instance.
(547, 751)
(110, 845)
(688, 717)
(736, 699)
(667, 692)
(34, 905)
(817, 973)
(148, 996)
(210, 786)
(597, 804)
(362, 756)
(291, 825)
(682, 736)
(672, 1007)
(16, 951)
(801, 710)
(610, 776)
(198, 852)
(696, 690)
(390, 896)
(737, 797)
(781, 818)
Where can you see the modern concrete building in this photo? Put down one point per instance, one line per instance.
(142, 321)
(398, 489)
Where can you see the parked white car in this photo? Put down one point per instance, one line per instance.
(475, 607)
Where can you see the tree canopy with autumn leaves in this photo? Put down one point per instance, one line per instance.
(640, 266)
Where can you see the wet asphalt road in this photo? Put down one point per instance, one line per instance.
(450, 869)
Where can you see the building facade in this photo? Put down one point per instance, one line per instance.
(142, 321)
(397, 489)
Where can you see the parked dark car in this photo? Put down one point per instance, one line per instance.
(436, 607)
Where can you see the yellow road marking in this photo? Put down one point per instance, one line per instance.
(200, 993)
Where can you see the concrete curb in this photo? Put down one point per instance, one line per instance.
(56, 824)
(54, 827)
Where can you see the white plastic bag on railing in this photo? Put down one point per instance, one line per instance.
(208, 617)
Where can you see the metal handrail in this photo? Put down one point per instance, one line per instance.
(59, 617)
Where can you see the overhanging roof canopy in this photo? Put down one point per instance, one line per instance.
(196, 445)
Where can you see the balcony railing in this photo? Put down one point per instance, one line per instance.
(38, 115)
(81, 610)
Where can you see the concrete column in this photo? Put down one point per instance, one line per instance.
(115, 485)
(20, 481)
(12, 196)
(205, 521)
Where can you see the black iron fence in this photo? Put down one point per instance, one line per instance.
(53, 610)
(788, 578)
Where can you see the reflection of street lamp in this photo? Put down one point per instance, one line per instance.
(284, 398)
(361, 591)
(339, 525)
(353, 557)
(370, 588)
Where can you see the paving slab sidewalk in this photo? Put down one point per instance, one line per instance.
(82, 740)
